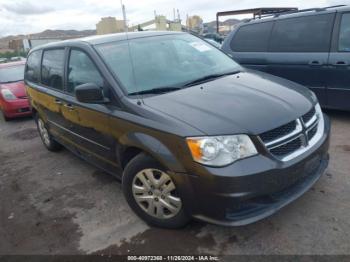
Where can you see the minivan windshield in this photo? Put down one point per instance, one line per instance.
(11, 74)
(167, 62)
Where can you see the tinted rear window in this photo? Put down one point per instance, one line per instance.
(52, 68)
(252, 38)
(32, 73)
(344, 35)
(302, 34)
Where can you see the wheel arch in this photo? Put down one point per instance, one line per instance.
(133, 144)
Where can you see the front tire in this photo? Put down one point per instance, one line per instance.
(46, 137)
(152, 194)
(4, 117)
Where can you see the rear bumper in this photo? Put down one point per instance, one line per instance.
(16, 108)
(254, 188)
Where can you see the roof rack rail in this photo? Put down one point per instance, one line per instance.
(257, 12)
(269, 12)
(300, 11)
(319, 9)
(334, 6)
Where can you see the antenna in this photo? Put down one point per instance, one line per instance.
(129, 48)
(124, 16)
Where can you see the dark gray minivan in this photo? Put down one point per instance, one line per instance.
(188, 131)
(310, 47)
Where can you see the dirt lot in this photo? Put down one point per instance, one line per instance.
(54, 203)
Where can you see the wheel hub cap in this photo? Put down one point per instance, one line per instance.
(155, 192)
(43, 132)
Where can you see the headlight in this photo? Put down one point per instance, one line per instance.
(220, 150)
(7, 94)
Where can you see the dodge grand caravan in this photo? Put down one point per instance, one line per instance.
(310, 47)
(189, 132)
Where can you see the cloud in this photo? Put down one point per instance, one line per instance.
(32, 16)
(27, 8)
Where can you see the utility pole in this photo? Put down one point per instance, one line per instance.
(124, 16)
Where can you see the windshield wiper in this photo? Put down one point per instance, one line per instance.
(208, 78)
(157, 90)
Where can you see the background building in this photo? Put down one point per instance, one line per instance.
(159, 23)
(109, 25)
(194, 23)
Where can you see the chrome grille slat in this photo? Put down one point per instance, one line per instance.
(288, 145)
(296, 131)
(312, 131)
(308, 116)
(285, 149)
(278, 132)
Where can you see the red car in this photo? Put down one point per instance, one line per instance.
(13, 98)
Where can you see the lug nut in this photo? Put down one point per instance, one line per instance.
(150, 193)
(156, 199)
(162, 196)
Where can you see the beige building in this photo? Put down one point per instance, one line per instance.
(195, 23)
(16, 44)
(175, 26)
(161, 23)
(109, 25)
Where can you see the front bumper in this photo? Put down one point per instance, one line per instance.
(16, 108)
(253, 188)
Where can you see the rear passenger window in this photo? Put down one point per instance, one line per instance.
(81, 70)
(302, 34)
(32, 72)
(344, 35)
(252, 38)
(52, 68)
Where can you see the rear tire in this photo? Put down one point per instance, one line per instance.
(49, 142)
(152, 193)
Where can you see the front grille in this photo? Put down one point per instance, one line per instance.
(278, 132)
(24, 109)
(312, 132)
(283, 141)
(287, 148)
(307, 117)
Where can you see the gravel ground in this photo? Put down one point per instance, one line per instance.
(55, 203)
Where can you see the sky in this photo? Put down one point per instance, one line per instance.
(32, 16)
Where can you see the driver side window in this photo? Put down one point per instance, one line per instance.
(81, 70)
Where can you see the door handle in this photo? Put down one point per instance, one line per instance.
(69, 106)
(315, 63)
(58, 102)
(341, 63)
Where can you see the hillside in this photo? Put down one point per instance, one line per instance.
(229, 22)
(48, 34)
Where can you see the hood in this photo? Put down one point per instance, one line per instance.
(17, 88)
(249, 103)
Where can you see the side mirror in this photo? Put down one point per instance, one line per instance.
(90, 93)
